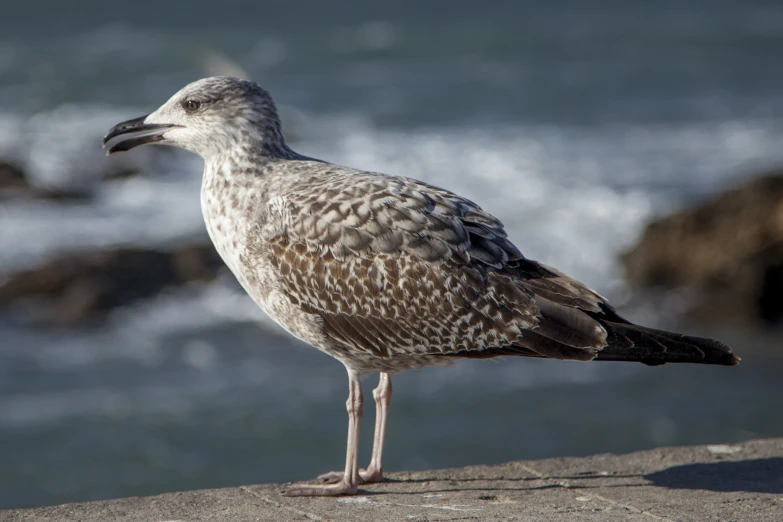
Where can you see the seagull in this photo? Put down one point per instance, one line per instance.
(384, 273)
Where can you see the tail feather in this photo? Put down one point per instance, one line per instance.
(629, 342)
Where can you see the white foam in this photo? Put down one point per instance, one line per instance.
(571, 197)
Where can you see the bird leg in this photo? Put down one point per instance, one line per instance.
(374, 472)
(348, 483)
(382, 395)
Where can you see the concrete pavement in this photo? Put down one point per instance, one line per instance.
(738, 482)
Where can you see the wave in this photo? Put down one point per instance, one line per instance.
(570, 196)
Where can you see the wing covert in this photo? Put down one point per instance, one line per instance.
(394, 266)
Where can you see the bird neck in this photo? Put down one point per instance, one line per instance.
(251, 151)
(268, 141)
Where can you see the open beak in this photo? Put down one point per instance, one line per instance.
(140, 133)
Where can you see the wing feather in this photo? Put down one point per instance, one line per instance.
(397, 267)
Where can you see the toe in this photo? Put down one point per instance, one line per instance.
(331, 477)
(370, 476)
(320, 490)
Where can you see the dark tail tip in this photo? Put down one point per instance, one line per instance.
(726, 358)
(630, 342)
(715, 352)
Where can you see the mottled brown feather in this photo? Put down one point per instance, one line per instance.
(397, 267)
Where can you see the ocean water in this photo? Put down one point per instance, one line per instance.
(574, 123)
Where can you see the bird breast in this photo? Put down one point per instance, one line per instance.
(236, 214)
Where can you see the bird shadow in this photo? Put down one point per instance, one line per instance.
(463, 483)
(754, 476)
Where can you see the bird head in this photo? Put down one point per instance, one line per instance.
(206, 117)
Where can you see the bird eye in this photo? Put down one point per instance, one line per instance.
(191, 105)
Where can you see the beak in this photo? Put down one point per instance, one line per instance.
(141, 134)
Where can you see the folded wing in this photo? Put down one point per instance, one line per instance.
(395, 266)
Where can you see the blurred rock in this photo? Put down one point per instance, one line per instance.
(728, 252)
(82, 288)
(15, 185)
(11, 177)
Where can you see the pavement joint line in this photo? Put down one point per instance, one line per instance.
(366, 500)
(533, 471)
(565, 484)
(447, 519)
(629, 507)
(311, 516)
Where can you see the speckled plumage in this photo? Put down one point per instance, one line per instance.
(384, 273)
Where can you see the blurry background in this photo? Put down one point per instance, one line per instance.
(146, 369)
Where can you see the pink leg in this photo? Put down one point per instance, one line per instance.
(350, 480)
(374, 472)
(382, 395)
